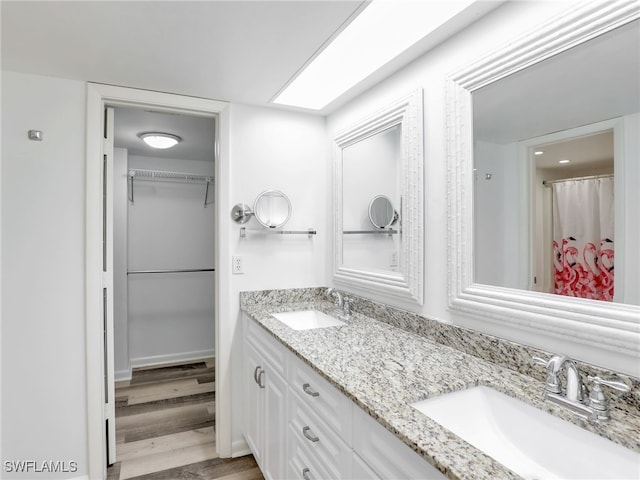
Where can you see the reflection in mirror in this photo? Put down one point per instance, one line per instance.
(272, 209)
(370, 167)
(549, 197)
(573, 247)
(378, 167)
(381, 212)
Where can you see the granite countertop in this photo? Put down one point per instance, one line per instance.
(384, 369)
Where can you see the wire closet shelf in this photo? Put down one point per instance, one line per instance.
(161, 175)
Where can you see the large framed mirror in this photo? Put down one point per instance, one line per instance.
(567, 91)
(378, 200)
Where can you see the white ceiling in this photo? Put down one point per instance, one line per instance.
(237, 51)
(242, 51)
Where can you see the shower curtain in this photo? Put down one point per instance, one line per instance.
(583, 243)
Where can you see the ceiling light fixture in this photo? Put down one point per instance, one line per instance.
(538, 152)
(564, 161)
(159, 139)
(381, 32)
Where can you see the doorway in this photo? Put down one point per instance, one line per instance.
(575, 212)
(163, 231)
(100, 245)
(570, 245)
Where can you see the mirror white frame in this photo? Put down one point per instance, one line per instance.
(610, 326)
(408, 283)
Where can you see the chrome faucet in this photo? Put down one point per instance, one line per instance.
(341, 304)
(574, 394)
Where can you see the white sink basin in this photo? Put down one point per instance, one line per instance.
(307, 319)
(532, 443)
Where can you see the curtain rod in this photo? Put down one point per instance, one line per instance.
(589, 177)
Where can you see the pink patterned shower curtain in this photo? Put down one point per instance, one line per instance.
(583, 222)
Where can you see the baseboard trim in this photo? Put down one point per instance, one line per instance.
(122, 375)
(240, 448)
(171, 358)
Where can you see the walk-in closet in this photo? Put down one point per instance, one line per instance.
(164, 303)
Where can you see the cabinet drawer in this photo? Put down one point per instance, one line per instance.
(385, 453)
(321, 397)
(271, 349)
(302, 464)
(311, 434)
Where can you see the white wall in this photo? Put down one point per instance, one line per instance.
(274, 149)
(170, 316)
(429, 73)
(43, 227)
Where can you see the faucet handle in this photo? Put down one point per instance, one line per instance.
(540, 361)
(615, 384)
(553, 382)
(597, 398)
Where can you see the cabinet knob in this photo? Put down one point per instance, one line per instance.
(260, 384)
(306, 474)
(255, 374)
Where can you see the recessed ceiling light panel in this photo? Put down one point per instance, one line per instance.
(159, 140)
(564, 161)
(381, 32)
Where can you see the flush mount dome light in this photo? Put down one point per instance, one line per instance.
(159, 139)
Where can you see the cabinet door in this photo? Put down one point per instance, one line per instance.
(254, 398)
(275, 422)
(360, 470)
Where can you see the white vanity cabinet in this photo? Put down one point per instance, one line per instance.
(304, 428)
(266, 394)
(385, 453)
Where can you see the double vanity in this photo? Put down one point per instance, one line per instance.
(384, 393)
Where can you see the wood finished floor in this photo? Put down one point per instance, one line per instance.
(165, 421)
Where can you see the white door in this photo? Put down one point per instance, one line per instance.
(107, 284)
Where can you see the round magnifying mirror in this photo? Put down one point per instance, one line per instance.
(272, 209)
(381, 212)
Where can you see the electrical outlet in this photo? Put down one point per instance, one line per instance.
(394, 259)
(237, 265)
